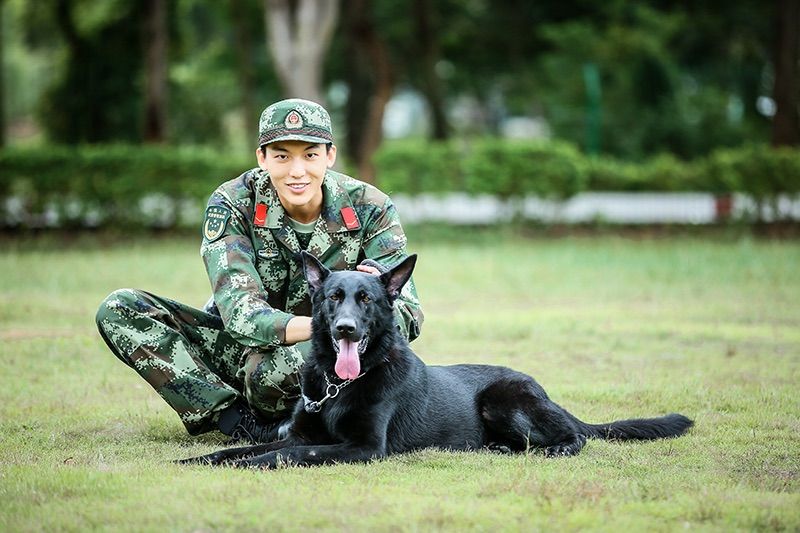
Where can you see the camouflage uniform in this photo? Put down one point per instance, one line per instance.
(201, 363)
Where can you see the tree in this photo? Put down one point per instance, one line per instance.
(156, 44)
(371, 80)
(786, 92)
(426, 23)
(244, 65)
(2, 84)
(94, 97)
(299, 33)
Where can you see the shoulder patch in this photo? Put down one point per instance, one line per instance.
(216, 219)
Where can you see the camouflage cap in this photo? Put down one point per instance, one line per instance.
(295, 120)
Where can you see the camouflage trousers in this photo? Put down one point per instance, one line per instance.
(186, 355)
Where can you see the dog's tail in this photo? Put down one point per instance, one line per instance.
(672, 425)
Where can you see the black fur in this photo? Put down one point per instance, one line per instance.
(400, 404)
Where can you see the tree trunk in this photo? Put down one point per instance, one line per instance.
(425, 19)
(155, 95)
(2, 84)
(371, 84)
(786, 122)
(299, 33)
(244, 66)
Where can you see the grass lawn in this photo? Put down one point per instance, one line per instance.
(612, 327)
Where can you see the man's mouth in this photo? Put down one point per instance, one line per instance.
(348, 357)
(297, 187)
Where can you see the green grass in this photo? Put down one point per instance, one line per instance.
(611, 327)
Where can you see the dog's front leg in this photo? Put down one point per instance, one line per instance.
(231, 454)
(314, 455)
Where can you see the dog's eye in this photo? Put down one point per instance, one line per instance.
(365, 298)
(334, 297)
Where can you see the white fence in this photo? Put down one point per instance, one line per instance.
(453, 208)
(612, 207)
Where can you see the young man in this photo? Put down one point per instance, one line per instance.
(234, 365)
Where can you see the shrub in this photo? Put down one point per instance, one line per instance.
(758, 171)
(418, 166)
(607, 174)
(518, 168)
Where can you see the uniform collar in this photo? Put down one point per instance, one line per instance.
(336, 203)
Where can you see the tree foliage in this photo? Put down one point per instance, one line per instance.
(678, 76)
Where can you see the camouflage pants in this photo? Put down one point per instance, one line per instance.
(193, 363)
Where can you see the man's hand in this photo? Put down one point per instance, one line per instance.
(298, 329)
(369, 270)
(371, 267)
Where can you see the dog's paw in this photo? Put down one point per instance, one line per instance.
(267, 461)
(212, 459)
(566, 448)
(498, 448)
(559, 451)
(191, 461)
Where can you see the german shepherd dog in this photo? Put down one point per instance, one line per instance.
(366, 395)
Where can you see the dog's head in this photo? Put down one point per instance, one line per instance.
(354, 309)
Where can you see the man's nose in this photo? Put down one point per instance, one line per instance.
(298, 169)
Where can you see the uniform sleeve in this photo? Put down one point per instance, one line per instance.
(385, 242)
(238, 290)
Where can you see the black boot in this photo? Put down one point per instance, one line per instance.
(241, 424)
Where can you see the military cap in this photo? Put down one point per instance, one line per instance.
(295, 120)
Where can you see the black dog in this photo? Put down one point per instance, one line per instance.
(366, 395)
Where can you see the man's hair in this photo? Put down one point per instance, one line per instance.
(328, 147)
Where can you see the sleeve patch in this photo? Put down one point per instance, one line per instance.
(216, 219)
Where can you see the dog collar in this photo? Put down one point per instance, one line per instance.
(331, 391)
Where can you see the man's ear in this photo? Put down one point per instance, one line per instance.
(330, 155)
(314, 271)
(261, 157)
(398, 275)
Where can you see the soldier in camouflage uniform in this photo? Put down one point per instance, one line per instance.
(234, 365)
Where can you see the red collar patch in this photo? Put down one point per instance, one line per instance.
(350, 218)
(260, 218)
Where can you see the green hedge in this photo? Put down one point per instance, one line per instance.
(108, 182)
(557, 170)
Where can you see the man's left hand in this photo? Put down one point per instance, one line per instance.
(370, 266)
(369, 270)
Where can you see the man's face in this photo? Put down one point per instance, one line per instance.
(297, 169)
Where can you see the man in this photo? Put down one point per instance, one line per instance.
(234, 365)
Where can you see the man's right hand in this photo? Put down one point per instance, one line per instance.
(298, 329)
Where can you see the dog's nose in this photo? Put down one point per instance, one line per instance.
(346, 327)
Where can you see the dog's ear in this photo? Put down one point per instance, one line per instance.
(398, 275)
(314, 271)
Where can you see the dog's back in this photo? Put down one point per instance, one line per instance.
(438, 407)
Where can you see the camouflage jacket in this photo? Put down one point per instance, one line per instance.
(253, 256)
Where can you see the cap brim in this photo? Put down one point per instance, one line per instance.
(304, 138)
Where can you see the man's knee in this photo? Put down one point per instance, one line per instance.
(116, 306)
(116, 318)
(274, 369)
(272, 380)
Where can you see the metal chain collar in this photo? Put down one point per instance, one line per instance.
(331, 391)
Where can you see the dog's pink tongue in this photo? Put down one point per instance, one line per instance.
(347, 364)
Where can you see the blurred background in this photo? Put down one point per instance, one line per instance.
(468, 111)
